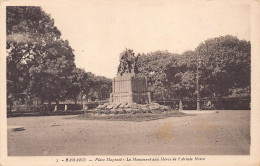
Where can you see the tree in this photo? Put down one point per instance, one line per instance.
(101, 88)
(80, 84)
(87, 84)
(224, 70)
(226, 65)
(38, 61)
(51, 72)
(168, 75)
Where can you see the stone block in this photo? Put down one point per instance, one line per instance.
(102, 106)
(117, 105)
(130, 89)
(122, 105)
(128, 110)
(145, 109)
(121, 111)
(127, 106)
(110, 107)
(154, 107)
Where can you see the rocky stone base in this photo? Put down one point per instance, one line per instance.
(125, 108)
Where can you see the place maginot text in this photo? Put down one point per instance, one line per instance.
(151, 159)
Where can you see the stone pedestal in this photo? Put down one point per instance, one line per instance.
(129, 88)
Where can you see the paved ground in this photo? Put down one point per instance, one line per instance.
(226, 133)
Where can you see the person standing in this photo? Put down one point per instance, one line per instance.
(180, 106)
(66, 107)
(55, 108)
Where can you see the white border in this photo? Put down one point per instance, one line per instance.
(252, 159)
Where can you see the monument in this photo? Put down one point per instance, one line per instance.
(127, 86)
(129, 90)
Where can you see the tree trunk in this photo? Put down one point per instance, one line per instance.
(49, 105)
(10, 108)
(42, 101)
(75, 100)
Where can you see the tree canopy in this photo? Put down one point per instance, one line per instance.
(37, 56)
(39, 62)
(224, 70)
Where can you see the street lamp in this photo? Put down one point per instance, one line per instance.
(197, 80)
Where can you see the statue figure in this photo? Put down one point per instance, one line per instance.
(128, 62)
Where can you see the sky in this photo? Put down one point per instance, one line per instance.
(99, 31)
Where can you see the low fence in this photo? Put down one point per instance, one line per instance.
(45, 109)
(28, 108)
(225, 103)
